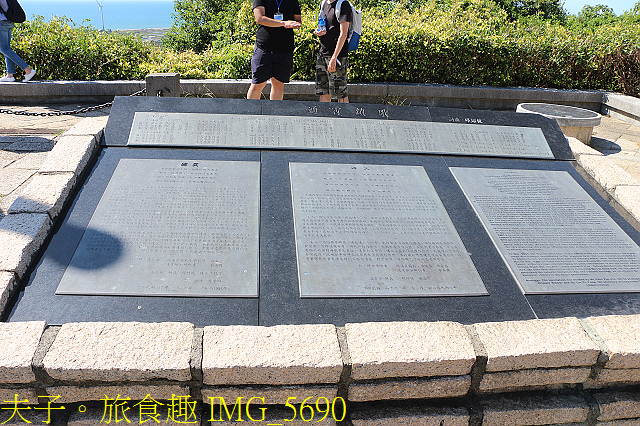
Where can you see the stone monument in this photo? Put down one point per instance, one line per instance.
(222, 211)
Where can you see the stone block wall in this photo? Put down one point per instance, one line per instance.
(614, 184)
(564, 371)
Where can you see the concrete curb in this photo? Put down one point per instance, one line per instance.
(622, 107)
(435, 95)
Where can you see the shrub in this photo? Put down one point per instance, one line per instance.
(227, 62)
(466, 42)
(61, 49)
(476, 45)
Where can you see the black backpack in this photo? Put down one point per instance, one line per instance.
(15, 12)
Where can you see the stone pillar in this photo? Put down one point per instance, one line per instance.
(163, 84)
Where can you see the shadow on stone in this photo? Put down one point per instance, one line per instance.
(27, 143)
(96, 250)
(605, 146)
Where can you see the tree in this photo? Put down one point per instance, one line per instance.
(545, 9)
(201, 24)
(632, 15)
(595, 16)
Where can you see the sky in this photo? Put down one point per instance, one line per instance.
(619, 6)
(572, 6)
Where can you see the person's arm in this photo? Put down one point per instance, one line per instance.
(261, 19)
(344, 31)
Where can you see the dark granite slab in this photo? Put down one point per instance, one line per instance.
(123, 111)
(124, 108)
(279, 299)
(38, 301)
(562, 305)
(279, 295)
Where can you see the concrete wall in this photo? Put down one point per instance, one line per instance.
(434, 95)
(622, 107)
(437, 95)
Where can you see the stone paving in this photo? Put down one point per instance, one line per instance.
(25, 142)
(620, 142)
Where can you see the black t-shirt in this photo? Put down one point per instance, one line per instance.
(330, 39)
(276, 39)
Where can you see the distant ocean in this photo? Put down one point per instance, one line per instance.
(118, 14)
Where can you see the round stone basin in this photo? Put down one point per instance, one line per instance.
(574, 122)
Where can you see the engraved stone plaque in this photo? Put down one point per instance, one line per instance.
(375, 231)
(327, 133)
(552, 234)
(172, 228)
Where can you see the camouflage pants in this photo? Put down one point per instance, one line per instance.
(335, 83)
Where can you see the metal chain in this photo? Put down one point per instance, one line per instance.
(75, 111)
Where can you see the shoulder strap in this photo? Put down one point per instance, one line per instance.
(339, 8)
(322, 4)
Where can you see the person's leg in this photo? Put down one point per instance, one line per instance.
(277, 89)
(260, 72)
(322, 80)
(11, 58)
(282, 66)
(255, 90)
(10, 67)
(338, 82)
(5, 41)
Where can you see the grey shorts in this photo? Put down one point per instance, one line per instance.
(335, 83)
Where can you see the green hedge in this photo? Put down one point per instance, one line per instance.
(227, 62)
(61, 50)
(532, 53)
(472, 43)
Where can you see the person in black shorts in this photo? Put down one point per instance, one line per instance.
(273, 53)
(332, 60)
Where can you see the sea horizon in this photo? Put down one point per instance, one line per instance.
(117, 14)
